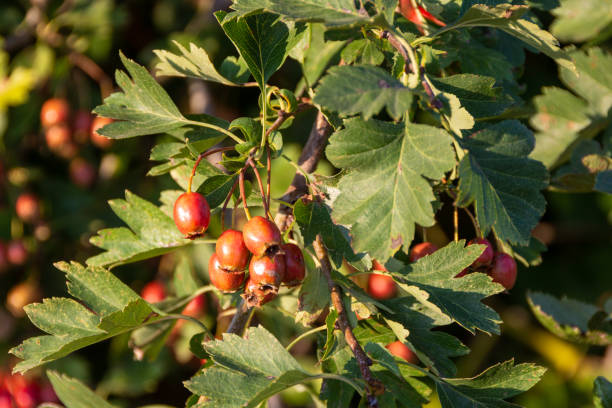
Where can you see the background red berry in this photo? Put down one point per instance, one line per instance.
(54, 111)
(420, 250)
(381, 286)
(153, 292)
(97, 139)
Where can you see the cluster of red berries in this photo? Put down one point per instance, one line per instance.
(64, 132)
(500, 266)
(17, 391)
(273, 263)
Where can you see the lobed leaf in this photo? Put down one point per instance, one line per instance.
(387, 189)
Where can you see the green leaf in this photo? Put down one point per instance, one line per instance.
(332, 13)
(477, 94)
(431, 280)
(560, 118)
(319, 54)
(144, 108)
(151, 232)
(581, 20)
(587, 171)
(74, 394)
(593, 78)
(531, 254)
(502, 182)
(256, 367)
(385, 191)
(353, 89)
(112, 308)
(412, 323)
(194, 63)
(507, 18)
(314, 218)
(262, 40)
(572, 320)
(491, 387)
(313, 297)
(603, 393)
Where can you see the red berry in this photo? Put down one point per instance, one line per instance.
(4, 262)
(54, 111)
(256, 296)
(381, 286)
(27, 207)
(463, 273)
(233, 255)
(47, 394)
(20, 295)
(191, 214)
(399, 349)
(423, 249)
(196, 306)
(153, 292)
(5, 399)
(16, 252)
(295, 270)
(58, 137)
(260, 234)
(26, 396)
(487, 255)
(268, 270)
(82, 173)
(97, 139)
(377, 266)
(81, 125)
(503, 270)
(226, 281)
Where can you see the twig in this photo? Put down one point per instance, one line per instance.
(240, 319)
(94, 71)
(308, 163)
(242, 193)
(269, 173)
(261, 188)
(375, 387)
(199, 159)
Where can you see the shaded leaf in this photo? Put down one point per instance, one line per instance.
(502, 182)
(313, 297)
(603, 393)
(581, 20)
(365, 89)
(75, 394)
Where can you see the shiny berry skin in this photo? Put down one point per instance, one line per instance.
(153, 292)
(16, 252)
(487, 255)
(256, 296)
(399, 349)
(295, 270)
(233, 255)
(381, 286)
(27, 207)
(420, 250)
(226, 281)
(259, 234)
(191, 214)
(268, 270)
(82, 173)
(54, 111)
(503, 270)
(58, 137)
(97, 139)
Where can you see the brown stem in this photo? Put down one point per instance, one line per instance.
(199, 159)
(260, 184)
(94, 71)
(240, 319)
(269, 173)
(375, 387)
(311, 154)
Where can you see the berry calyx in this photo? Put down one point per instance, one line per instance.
(381, 286)
(256, 296)
(399, 349)
(224, 280)
(423, 249)
(295, 270)
(97, 139)
(487, 255)
(27, 207)
(54, 111)
(191, 214)
(153, 292)
(503, 270)
(268, 270)
(261, 235)
(233, 255)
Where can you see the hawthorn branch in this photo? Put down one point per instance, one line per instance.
(374, 386)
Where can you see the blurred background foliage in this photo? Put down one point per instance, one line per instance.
(69, 49)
